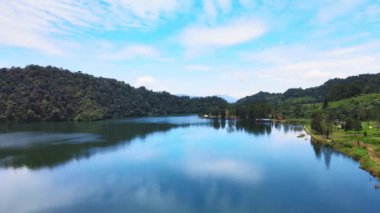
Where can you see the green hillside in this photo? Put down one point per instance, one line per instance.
(332, 90)
(36, 93)
(355, 96)
(363, 107)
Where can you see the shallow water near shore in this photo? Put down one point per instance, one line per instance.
(175, 164)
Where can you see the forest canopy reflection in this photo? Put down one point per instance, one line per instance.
(49, 144)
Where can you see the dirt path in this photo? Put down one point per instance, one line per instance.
(371, 151)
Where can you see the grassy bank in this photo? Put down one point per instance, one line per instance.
(364, 148)
(298, 121)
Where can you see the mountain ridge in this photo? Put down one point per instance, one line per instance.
(332, 90)
(36, 93)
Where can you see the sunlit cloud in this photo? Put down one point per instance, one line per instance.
(145, 81)
(151, 83)
(133, 52)
(204, 38)
(295, 66)
(244, 45)
(48, 26)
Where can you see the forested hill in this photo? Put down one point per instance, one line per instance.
(36, 93)
(332, 90)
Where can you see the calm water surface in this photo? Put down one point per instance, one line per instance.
(175, 164)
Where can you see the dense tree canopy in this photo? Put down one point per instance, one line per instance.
(253, 111)
(332, 90)
(38, 93)
(50, 93)
(350, 95)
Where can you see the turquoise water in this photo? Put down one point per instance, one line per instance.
(175, 164)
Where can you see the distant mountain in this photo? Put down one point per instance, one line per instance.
(37, 93)
(260, 97)
(228, 98)
(185, 95)
(332, 90)
(181, 95)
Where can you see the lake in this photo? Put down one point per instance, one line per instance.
(175, 164)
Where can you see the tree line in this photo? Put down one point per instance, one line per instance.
(343, 102)
(37, 93)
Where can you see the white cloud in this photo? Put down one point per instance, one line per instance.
(210, 8)
(132, 52)
(203, 38)
(331, 10)
(151, 82)
(225, 5)
(306, 66)
(145, 9)
(279, 54)
(198, 67)
(213, 7)
(47, 26)
(145, 81)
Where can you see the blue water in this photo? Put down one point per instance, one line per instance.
(175, 164)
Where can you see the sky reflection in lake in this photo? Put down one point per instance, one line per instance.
(190, 166)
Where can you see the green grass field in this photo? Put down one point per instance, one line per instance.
(364, 148)
(361, 106)
(361, 100)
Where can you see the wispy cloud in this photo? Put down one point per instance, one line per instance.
(213, 7)
(285, 43)
(47, 26)
(310, 66)
(370, 13)
(199, 67)
(144, 10)
(133, 52)
(204, 38)
(332, 10)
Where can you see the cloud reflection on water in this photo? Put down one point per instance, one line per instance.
(223, 168)
(174, 168)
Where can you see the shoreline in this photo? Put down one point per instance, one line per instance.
(369, 161)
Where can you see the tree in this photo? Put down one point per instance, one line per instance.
(348, 125)
(357, 125)
(322, 123)
(50, 93)
(316, 122)
(378, 120)
(325, 103)
(328, 124)
(353, 124)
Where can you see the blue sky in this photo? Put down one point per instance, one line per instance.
(196, 47)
